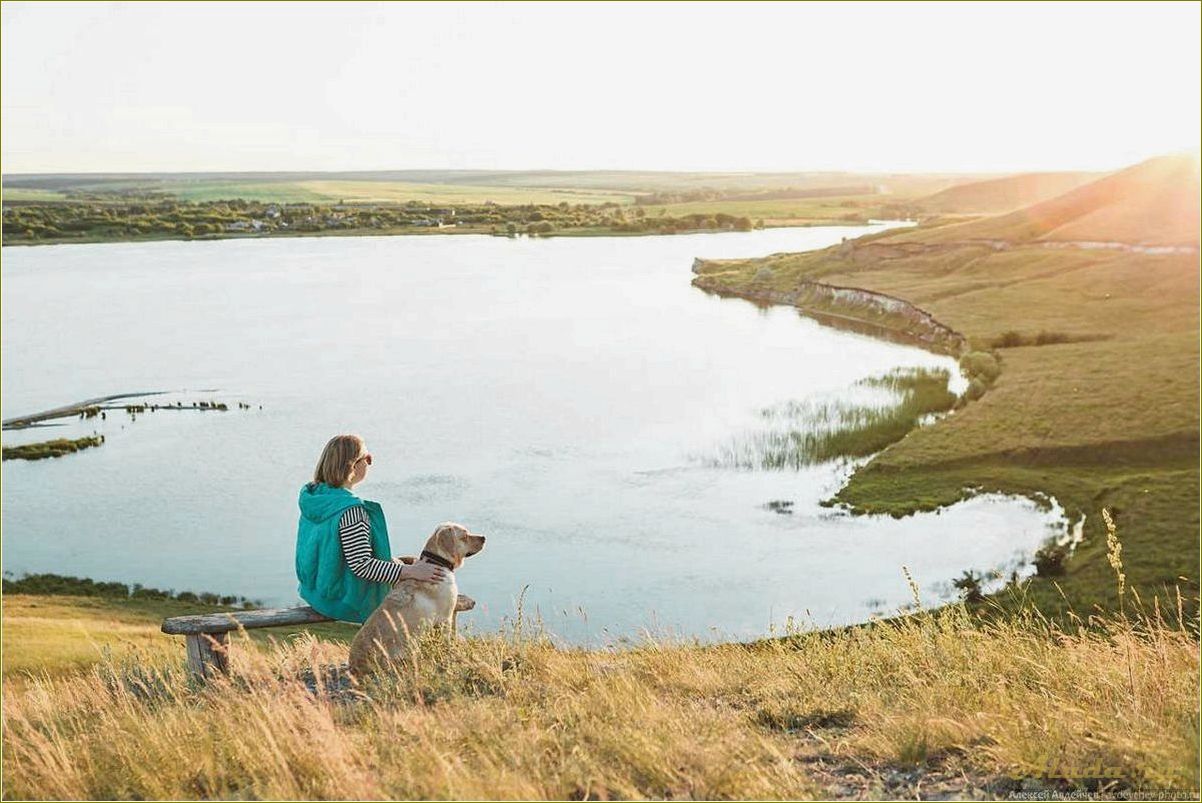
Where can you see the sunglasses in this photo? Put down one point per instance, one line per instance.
(366, 457)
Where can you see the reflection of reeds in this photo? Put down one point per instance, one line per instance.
(802, 433)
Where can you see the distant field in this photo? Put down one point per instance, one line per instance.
(470, 186)
(31, 194)
(399, 192)
(786, 209)
(278, 192)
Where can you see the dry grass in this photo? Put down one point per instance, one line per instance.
(1113, 705)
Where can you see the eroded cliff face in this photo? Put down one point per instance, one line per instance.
(861, 309)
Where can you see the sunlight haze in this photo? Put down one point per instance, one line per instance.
(110, 87)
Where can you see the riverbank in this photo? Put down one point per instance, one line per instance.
(507, 715)
(1096, 403)
(854, 307)
(596, 231)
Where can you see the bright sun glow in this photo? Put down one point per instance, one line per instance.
(740, 86)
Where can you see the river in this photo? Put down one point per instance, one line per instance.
(563, 396)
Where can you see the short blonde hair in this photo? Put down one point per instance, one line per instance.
(336, 465)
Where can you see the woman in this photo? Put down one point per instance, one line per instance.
(343, 560)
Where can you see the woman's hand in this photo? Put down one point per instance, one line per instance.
(426, 572)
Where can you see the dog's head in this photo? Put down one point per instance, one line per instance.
(453, 543)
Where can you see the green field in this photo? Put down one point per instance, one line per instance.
(391, 192)
(32, 194)
(844, 209)
(479, 186)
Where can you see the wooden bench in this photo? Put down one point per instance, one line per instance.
(207, 635)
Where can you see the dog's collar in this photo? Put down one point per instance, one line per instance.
(438, 560)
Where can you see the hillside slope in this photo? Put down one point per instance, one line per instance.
(1003, 194)
(1154, 203)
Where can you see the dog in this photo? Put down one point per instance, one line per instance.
(414, 605)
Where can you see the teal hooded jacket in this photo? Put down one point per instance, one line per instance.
(326, 582)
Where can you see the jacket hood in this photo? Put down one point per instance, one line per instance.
(319, 502)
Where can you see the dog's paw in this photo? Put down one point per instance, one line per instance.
(464, 603)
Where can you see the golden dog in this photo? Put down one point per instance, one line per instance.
(413, 605)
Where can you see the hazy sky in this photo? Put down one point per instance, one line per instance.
(678, 86)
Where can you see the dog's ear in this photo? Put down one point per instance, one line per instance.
(446, 542)
(408, 560)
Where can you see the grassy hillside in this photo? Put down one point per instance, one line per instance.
(1153, 203)
(1003, 194)
(933, 704)
(1103, 413)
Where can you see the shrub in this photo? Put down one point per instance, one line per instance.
(976, 389)
(1008, 339)
(980, 365)
(969, 585)
(1047, 338)
(1049, 560)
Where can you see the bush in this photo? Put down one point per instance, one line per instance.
(1049, 560)
(1047, 338)
(1008, 339)
(980, 365)
(64, 585)
(976, 389)
(969, 585)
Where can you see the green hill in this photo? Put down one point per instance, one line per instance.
(1003, 194)
(1154, 203)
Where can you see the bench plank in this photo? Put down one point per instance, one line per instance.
(262, 617)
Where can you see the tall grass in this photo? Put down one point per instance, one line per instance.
(796, 434)
(978, 703)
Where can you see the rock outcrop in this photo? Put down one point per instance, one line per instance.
(854, 307)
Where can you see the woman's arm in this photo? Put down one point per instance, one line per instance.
(354, 531)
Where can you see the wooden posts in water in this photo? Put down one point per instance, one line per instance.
(208, 635)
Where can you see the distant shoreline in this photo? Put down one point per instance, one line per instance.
(424, 232)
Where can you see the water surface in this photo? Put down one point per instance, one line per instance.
(563, 396)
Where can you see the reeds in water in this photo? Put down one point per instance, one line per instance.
(796, 434)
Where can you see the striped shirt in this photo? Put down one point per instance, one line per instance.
(354, 531)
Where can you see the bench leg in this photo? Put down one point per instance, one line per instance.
(208, 655)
